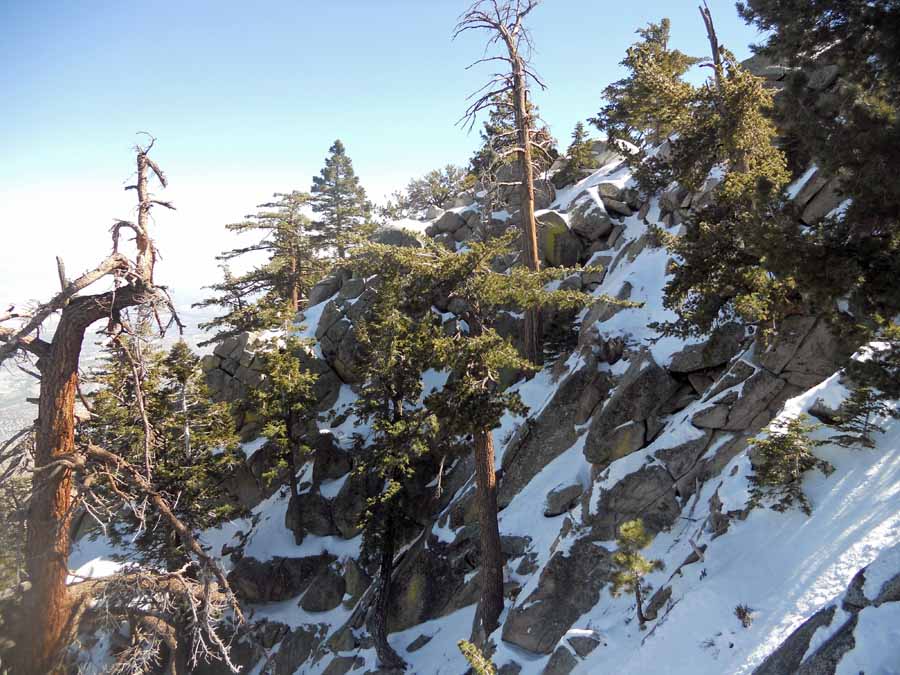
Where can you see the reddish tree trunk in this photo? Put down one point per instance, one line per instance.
(491, 605)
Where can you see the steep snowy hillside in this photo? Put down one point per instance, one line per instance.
(627, 425)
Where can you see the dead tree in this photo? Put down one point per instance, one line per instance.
(503, 19)
(57, 461)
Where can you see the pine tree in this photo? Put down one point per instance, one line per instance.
(653, 100)
(724, 259)
(858, 417)
(472, 402)
(498, 139)
(283, 404)
(339, 201)
(400, 347)
(436, 188)
(579, 158)
(632, 566)
(852, 132)
(191, 438)
(780, 460)
(272, 292)
(480, 664)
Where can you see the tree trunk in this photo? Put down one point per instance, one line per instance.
(640, 609)
(387, 657)
(533, 342)
(491, 605)
(50, 511)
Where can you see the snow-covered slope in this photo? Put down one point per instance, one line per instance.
(634, 425)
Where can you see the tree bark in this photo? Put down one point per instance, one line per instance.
(50, 511)
(491, 605)
(533, 329)
(387, 657)
(640, 609)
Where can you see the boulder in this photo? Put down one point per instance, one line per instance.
(719, 348)
(584, 642)
(356, 580)
(826, 200)
(569, 585)
(341, 665)
(648, 494)
(558, 245)
(602, 450)
(562, 662)
(609, 191)
(680, 458)
(277, 579)
(562, 498)
(617, 207)
(325, 592)
(349, 504)
(309, 513)
(711, 417)
(590, 220)
(756, 395)
(297, 647)
(396, 236)
(433, 212)
(776, 354)
(449, 222)
(327, 287)
(821, 353)
(549, 435)
(639, 394)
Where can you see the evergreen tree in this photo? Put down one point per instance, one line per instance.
(632, 566)
(858, 417)
(498, 140)
(579, 158)
(724, 259)
(400, 347)
(285, 404)
(272, 292)
(480, 664)
(780, 460)
(653, 100)
(851, 131)
(472, 402)
(339, 201)
(148, 398)
(436, 188)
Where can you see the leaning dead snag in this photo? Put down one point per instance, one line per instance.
(51, 614)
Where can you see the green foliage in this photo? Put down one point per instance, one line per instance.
(284, 402)
(499, 138)
(852, 131)
(631, 565)
(474, 352)
(437, 188)
(271, 292)
(780, 460)
(193, 444)
(724, 262)
(859, 415)
(579, 158)
(653, 100)
(479, 663)
(340, 202)
(399, 348)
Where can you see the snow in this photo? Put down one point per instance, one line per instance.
(410, 224)
(877, 635)
(794, 188)
(785, 566)
(885, 568)
(249, 449)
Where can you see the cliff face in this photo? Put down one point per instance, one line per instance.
(626, 424)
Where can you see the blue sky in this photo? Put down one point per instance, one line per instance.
(245, 99)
